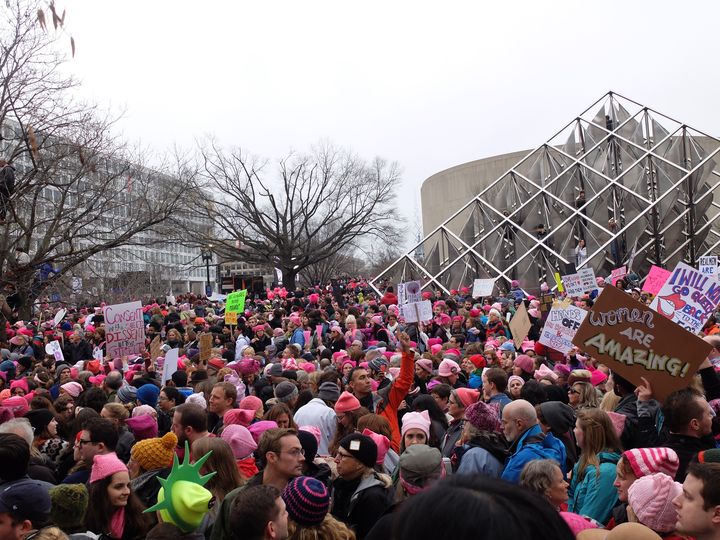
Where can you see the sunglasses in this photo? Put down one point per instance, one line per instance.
(573, 391)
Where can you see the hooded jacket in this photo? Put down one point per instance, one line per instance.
(361, 502)
(483, 455)
(531, 445)
(594, 495)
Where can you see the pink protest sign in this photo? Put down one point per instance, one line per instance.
(618, 273)
(655, 279)
(124, 329)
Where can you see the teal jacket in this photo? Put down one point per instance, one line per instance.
(595, 496)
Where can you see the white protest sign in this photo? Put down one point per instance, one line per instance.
(708, 266)
(483, 287)
(587, 278)
(687, 297)
(412, 292)
(170, 365)
(561, 325)
(124, 329)
(417, 311)
(401, 296)
(54, 349)
(573, 284)
(98, 354)
(59, 316)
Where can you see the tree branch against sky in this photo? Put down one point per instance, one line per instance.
(314, 206)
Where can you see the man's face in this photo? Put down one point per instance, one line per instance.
(74, 339)
(706, 418)
(361, 382)
(218, 403)
(178, 429)
(453, 343)
(487, 391)
(289, 461)
(347, 466)
(87, 449)
(8, 531)
(693, 519)
(65, 376)
(280, 523)
(509, 426)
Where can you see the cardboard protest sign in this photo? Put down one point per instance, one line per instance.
(231, 318)
(236, 302)
(687, 297)
(618, 273)
(708, 266)
(573, 285)
(520, 325)
(483, 287)
(636, 342)
(563, 321)
(417, 311)
(546, 302)
(170, 365)
(124, 329)
(655, 279)
(155, 348)
(206, 342)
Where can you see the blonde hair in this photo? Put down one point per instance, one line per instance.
(51, 533)
(588, 395)
(598, 435)
(329, 529)
(609, 402)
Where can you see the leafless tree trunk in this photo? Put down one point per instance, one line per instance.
(79, 191)
(321, 204)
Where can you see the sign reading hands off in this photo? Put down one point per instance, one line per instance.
(635, 341)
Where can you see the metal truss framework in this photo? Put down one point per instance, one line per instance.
(626, 179)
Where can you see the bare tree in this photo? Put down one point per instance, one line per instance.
(78, 190)
(320, 204)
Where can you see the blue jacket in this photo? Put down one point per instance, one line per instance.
(595, 496)
(500, 399)
(298, 337)
(530, 446)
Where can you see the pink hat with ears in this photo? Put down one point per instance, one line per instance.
(382, 443)
(418, 420)
(242, 417)
(434, 349)
(314, 430)
(105, 465)
(434, 341)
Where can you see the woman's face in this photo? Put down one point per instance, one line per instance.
(414, 436)
(579, 434)
(119, 489)
(17, 391)
(557, 493)
(517, 371)
(283, 421)
(574, 395)
(347, 368)
(165, 403)
(623, 481)
(52, 428)
(442, 403)
(515, 387)
(467, 366)
(133, 468)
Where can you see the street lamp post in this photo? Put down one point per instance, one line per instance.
(207, 257)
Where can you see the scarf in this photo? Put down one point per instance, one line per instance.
(117, 523)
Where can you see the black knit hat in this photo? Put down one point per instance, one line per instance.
(361, 447)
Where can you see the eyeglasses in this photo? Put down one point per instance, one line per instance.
(341, 456)
(295, 452)
(573, 391)
(81, 442)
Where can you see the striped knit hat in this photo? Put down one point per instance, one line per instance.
(645, 461)
(307, 500)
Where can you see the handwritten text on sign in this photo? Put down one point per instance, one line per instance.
(563, 321)
(124, 329)
(687, 297)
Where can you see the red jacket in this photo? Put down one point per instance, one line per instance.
(396, 394)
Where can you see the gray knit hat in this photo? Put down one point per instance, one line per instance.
(286, 391)
(329, 391)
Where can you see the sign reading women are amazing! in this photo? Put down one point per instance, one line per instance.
(124, 329)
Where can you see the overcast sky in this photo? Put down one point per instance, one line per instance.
(428, 84)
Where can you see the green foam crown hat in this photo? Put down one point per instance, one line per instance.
(188, 500)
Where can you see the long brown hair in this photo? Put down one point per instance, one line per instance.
(100, 512)
(598, 435)
(222, 461)
(342, 430)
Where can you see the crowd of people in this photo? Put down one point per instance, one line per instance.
(324, 415)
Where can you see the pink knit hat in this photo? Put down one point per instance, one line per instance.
(143, 427)
(314, 430)
(525, 363)
(434, 349)
(512, 378)
(420, 420)
(382, 443)
(251, 403)
(105, 465)
(144, 410)
(17, 404)
(448, 367)
(240, 440)
(597, 377)
(544, 371)
(646, 461)
(576, 522)
(72, 388)
(346, 403)
(241, 417)
(467, 396)
(651, 498)
(483, 417)
(425, 364)
(258, 428)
